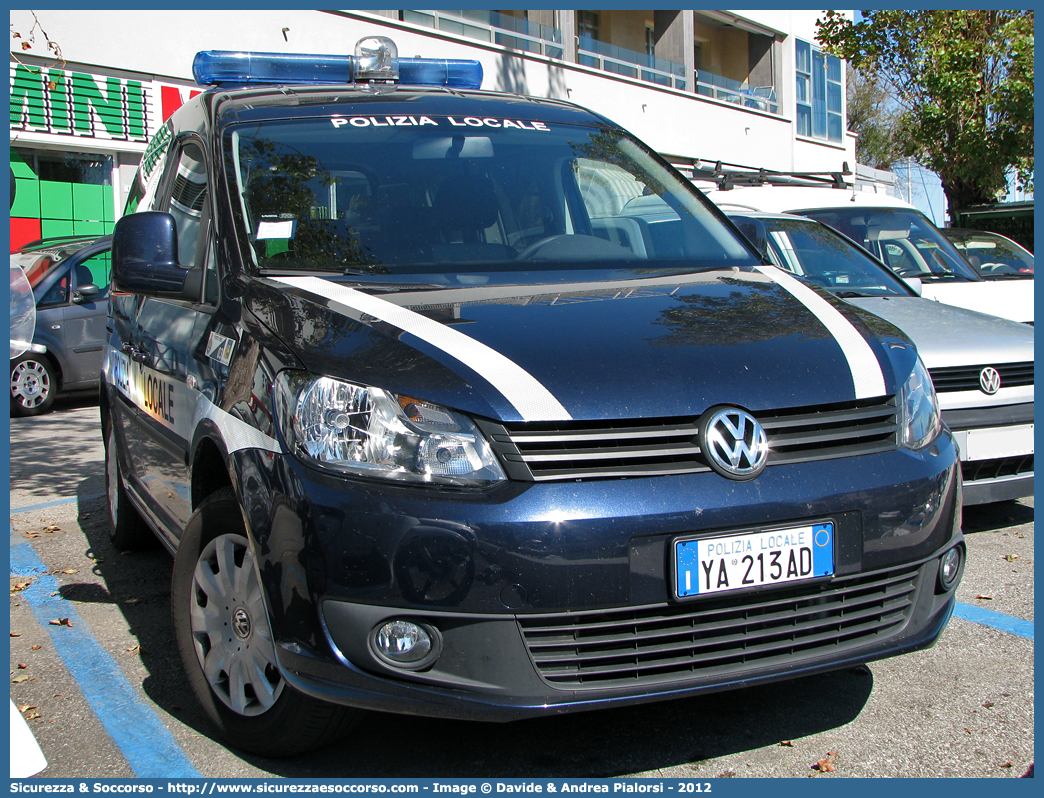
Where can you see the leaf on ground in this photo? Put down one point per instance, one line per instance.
(1007, 765)
(25, 707)
(52, 528)
(20, 678)
(130, 652)
(133, 601)
(70, 571)
(16, 634)
(1011, 557)
(60, 622)
(32, 715)
(826, 765)
(18, 587)
(22, 666)
(32, 534)
(988, 704)
(786, 743)
(36, 647)
(984, 598)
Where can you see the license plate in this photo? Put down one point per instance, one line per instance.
(993, 442)
(754, 559)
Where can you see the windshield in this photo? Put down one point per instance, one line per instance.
(904, 240)
(820, 256)
(992, 255)
(444, 196)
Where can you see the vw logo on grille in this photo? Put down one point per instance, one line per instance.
(733, 442)
(989, 380)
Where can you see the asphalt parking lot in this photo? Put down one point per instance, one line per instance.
(95, 671)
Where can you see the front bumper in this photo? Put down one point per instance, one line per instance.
(555, 597)
(995, 446)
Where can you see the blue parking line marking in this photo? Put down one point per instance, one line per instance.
(45, 505)
(150, 749)
(994, 620)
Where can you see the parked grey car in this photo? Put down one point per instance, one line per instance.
(982, 366)
(70, 281)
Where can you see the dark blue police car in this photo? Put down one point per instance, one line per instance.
(440, 421)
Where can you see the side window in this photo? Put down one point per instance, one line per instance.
(57, 294)
(188, 201)
(188, 195)
(95, 270)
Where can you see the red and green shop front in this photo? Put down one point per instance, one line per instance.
(77, 135)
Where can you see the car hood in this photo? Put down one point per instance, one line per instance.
(1009, 299)
(647, 346)
(950, 336)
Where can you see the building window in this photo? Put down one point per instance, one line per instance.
(587, 24)
(819, 94)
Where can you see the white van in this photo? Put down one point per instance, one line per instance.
(899, 235)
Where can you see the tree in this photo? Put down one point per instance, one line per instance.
(872, 114)
(963, 82)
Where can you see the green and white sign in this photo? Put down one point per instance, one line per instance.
(65, 102)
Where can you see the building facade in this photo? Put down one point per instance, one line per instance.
(749, 88)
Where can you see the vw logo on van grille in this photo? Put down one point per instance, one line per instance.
(733, 442)
(989, 380)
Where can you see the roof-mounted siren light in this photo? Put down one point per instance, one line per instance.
(376, 59)
(376, 63)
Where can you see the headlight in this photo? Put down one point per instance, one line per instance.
(921, 420)
(371, 432)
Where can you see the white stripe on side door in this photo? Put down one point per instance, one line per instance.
(531, 399)
(867, 377)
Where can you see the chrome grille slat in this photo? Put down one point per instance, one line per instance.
(543, 451)
(728, 633)
(548, 455)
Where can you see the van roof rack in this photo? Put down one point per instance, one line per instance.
(727, 176)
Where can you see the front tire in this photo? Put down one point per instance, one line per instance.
(226, 642)
(33, 385)
(127, 529)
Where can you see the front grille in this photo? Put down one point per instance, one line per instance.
(966, 378)
(539, 451)
(975, 470)
(718, 637)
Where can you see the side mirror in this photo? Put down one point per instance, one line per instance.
(914, 283)
(84, 293)
(145, 258)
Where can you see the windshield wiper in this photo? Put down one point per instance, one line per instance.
(850, 294)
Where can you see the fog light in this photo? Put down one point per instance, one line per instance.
(406, 644)
(949, 568)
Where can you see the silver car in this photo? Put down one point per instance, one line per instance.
(70, 282)
(982, 366)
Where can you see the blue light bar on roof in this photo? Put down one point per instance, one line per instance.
(454, 74)
(221, 67)
(216, 67)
